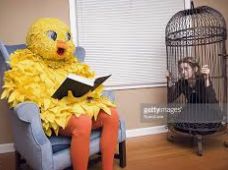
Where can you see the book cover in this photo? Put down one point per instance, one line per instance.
(78, 85)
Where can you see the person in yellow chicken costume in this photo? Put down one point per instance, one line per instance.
(38, 70)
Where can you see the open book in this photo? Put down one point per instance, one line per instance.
(78, 85)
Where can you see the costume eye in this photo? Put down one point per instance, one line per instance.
(52, 35)
(68, 36)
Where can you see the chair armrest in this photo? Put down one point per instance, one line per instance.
(30, 139)
(25, 111)
(29, 112)
(122, 124)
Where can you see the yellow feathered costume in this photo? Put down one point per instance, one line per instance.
(37, 71)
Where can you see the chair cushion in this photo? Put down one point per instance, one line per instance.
(60, 142)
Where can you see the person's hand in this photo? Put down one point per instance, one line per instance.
(169, 78)
(168, 75)
(206, 73)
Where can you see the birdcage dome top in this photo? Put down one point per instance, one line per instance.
(196, 26)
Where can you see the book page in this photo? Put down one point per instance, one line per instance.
(81, 79)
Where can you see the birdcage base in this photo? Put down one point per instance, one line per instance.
(226, 144)
(199, 144)
(196, 138)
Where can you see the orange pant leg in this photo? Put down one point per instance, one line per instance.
(109, 136)
(79, 128)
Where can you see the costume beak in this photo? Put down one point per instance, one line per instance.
(61, 47)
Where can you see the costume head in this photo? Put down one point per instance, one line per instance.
(51, 39)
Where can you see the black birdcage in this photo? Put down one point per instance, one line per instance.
(197, 35)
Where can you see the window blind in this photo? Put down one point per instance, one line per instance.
(125, 38)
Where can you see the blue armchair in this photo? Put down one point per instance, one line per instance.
(33, 146)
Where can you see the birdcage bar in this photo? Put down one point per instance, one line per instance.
(200, 33)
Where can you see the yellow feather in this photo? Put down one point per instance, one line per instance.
(5, 94)
(76, 108)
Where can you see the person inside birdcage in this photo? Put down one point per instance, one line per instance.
(195, 84)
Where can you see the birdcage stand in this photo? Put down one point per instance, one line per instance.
(225, 56)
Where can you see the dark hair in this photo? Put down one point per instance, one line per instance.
(192, 62)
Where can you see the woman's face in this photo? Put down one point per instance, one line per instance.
(186, 71)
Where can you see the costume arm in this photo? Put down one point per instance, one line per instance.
(20, 83)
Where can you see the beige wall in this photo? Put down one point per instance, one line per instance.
(17, 15)
(220, 5)
(129, 103)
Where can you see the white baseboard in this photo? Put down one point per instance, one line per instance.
(146, 131)
(9, 147)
